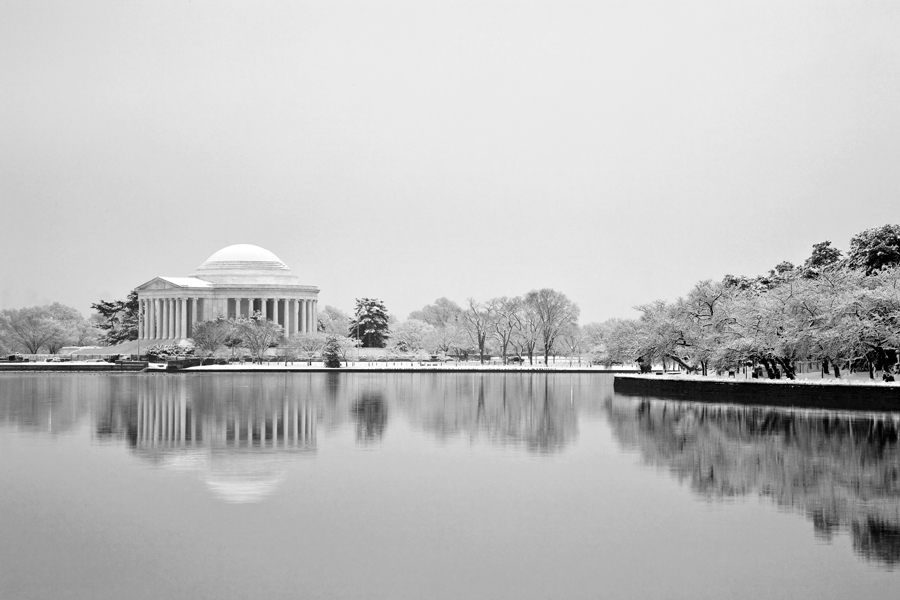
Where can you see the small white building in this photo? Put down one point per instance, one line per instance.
(234, 282)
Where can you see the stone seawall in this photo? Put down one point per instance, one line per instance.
(877, 398)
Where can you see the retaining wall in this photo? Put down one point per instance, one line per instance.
(875, 397)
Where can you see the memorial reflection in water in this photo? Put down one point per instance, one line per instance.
(239, 436)
(841, 471)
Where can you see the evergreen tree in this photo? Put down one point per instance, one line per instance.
(120, 319)
(331, 352)
(370, 323)
(822, 255)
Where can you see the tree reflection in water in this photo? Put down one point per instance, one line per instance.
(841, 471)
(518, 410)
(371, 414)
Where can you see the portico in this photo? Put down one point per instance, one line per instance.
(237, 281)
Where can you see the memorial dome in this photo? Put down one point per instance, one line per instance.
(245, 264)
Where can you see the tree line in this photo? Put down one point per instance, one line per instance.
(841, 310)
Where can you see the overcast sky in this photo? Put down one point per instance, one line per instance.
(615, 151)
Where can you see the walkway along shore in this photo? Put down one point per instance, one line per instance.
(868, 397)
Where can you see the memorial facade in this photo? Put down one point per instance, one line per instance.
(236, 281)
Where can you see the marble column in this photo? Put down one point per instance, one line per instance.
(152, 318)
(304, 316)
(163, 318)
(303, 322)
(175, 318)
(315, 317)
(192, 316)
(263, 308)
(171, 302)
(183, 307)
(290, 315)
(310, 326)
(301, 315)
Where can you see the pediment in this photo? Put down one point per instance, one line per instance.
(157, 283)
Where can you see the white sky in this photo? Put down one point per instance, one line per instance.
(616, 151)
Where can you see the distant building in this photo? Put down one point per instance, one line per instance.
(235, 281)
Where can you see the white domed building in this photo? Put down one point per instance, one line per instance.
(234, 282)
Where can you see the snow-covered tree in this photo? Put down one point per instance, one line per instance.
(370, 323)
(413, 336)
(875, 248)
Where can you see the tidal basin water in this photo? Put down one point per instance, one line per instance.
(427, 485)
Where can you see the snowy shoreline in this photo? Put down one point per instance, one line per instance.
(831, 381)
(802, 394)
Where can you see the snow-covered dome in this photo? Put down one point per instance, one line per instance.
(245, 264)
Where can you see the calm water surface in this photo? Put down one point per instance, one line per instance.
(421, 485)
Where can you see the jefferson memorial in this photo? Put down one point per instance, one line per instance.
(234, 282)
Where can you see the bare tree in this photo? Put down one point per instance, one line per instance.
(504, 321)
(449, 339)
(259, 334)
(554, 312)
(211, 335)
(527, 332)
(49, 327)
(478, 318)
(308, 345)
(574, 341)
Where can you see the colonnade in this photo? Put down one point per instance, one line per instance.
(168, 420)
(175, 317)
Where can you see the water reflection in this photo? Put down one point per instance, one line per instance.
(242, 434)
(370, 411)
(239, 431)
(239, 436)
(49, 404)
(536, 413)
(841, 471)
